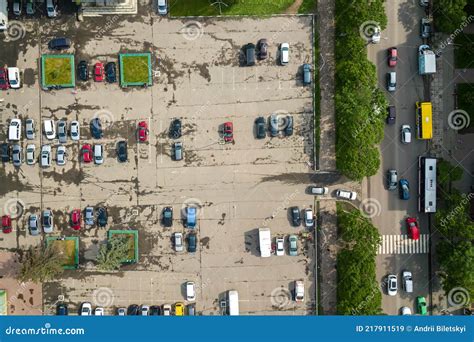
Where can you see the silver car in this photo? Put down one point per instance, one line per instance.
(16, 155)
(89, 216)
(293, 245)
(47, 221)
(30, 129)
(33, 225)
(61, 155)
(46, 156)
(178, 242)
(30, 154)
(62, 131)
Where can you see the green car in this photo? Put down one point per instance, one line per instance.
(421, 305)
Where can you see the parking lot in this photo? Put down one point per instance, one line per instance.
(238, 187)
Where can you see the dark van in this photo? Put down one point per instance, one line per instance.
(59, 44)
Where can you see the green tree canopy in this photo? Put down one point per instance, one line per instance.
(41, 263)
(112, 254)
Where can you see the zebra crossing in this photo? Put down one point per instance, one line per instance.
(402, 244)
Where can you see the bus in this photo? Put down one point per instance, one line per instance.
(3, 15)
(233, 300)
(424, 120)
(426, 185)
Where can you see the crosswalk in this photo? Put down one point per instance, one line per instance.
(402, 244)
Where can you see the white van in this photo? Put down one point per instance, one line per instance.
(3, 15)
(14, 130)
(233, 303)
(265, 242)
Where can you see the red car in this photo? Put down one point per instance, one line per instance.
(413, 229)
(76, 219)
(392, 56)
(4, 85)
(6, 224)
(142, 131)
(228, 132)
(99, 72)
(86, 152)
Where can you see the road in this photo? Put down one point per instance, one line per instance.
(403, 32)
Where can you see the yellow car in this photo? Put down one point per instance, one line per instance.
(179, 309)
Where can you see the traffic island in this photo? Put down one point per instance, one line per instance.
(57, 71)
(132, 237)
(135, 69)
(70, 247)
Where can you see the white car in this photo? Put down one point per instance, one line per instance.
(98, 154)
(391, 81)
(308, 218)
(61, 155)
(346, 194)
(392, 285)
(30, 154)
(86, 309)
(45, 156)
(49, 129)
(299, 291)
(162, 7)
(166, 310)
(14, 130)
(407, 281)
(89, 216)
(30, 129)
(406, 311)
(406, 134)
(99, 311)
(284, 53)
(144, 310)
(178, 242)
(190, 292)
(75, 130)
(51, 9)
(280, 246)
(375, 38)
(122, 312)
(14, 78)
(318, 190)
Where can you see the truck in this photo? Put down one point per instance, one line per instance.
(233, 303)
(426, 60)
(3, 15)
(265, 242)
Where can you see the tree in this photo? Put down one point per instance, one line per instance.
(449, 15)
(113, 253)
(41, 263)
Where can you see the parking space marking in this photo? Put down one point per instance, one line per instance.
(402, 244)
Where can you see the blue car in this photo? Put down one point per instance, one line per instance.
(61, 310)
(111, 72)
(404, 187)
(191, 217)
(96, 128)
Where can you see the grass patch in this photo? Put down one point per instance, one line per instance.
(135, 69)
(465, 93)
(464, 51)
(307, 7)
(69, 249)
(235, 7)
(58, 71)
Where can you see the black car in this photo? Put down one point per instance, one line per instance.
(260, 127)
(133, 310)
(391, 115)
(192, 243)
(111, 72)
(262, 47)
(175, 129)
(83, 71)
(59, 44)
(102, 217)
(96, 128)
(167, 218)
(6, 152)
(155, 310)
(122, 154)
(289, 125)
(295, 216)
(61, 310)
(249, 54)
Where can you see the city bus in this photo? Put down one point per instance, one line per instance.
(424, 120)
(426, 185)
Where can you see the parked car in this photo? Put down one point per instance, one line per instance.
(346, 194)
(30, 129)
(49, 129)
(318, 190)
(295, 216)
(96, 128)
(191, 309)
(391, 115)
(17, 7)
(33, 225)
(86, 309)
(249, 51)
(62, 131)
(111, 72)
(61, 309)
(121, 312)
(142, 131)
(299, 291)
(99, 311)
(76, 219)
(59, 44)
(392, 285)
(47, 221)
(61, 155)
(391, 81)
(406, 134)
(144, 310)
(122, 152)
(406, 311)
(178, 242)
(45, 156)
(392, 179)
(14, 78)
(407, 281)
(30, 154)
(191, 217)
(75, 130)
(308, 218)
(99, 72)
(280, 246)
(404, 188)
(83, 71)
(413, 228)
(166, 310)
(293, 245)
(133, 310)
(86, 153)
(89, 216)
(190, 291)
(98, 154)
(260, 127)
(6, 224)
(155, 310)
(167, 217)
(179, 309)
(284, 53)
(4, 85)
(421, 305)
(274, 125)
(30, 7)
(102, 217)
(306, 74)
(17, 157)
(162, 7)
(14, 130)
(262, 48)
(178, 151)
(289, 126)
(425, 28)
(392, 57)
(228, 132)
(376, 35)
(192, 243)
(6, 152)
(51, 9)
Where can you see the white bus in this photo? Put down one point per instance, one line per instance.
(233, 302)
(426, 185)
(3, 15)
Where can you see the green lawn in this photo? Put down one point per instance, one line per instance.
(464, 51)
(308, 6)
(135, 69)
(466, 99)
(58, 71)
(235, 7)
